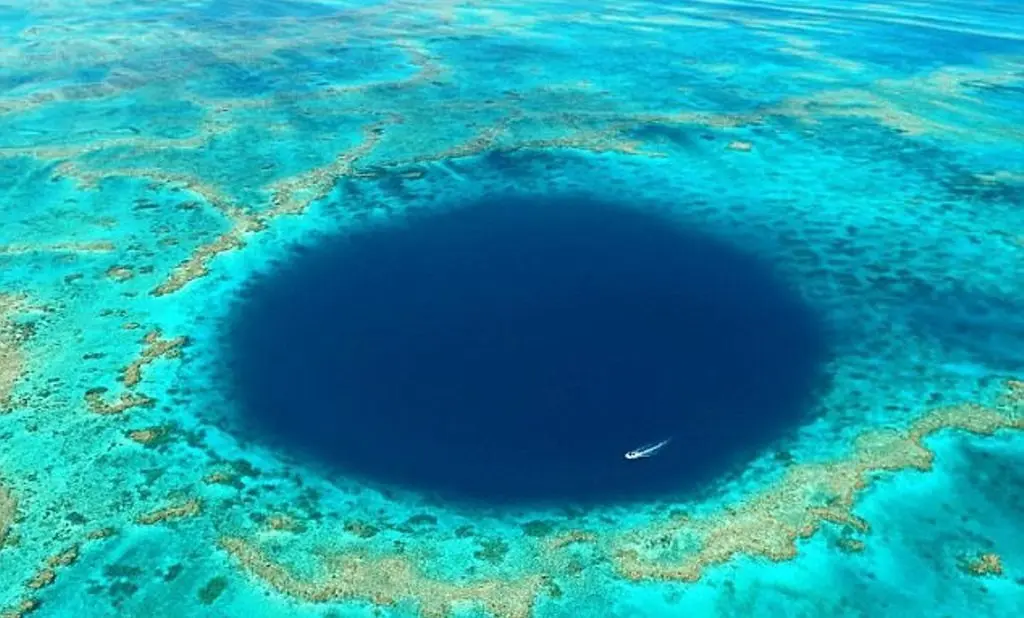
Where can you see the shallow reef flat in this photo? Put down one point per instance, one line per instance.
(157, 158)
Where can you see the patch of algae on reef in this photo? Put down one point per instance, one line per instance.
(770, 523)
(388, 581)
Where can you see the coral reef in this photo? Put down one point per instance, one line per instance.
(157, 156)
(769, 524)
(387, 581)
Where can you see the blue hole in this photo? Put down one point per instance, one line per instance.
(511, 351)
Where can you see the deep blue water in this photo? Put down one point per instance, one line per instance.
(512, 350)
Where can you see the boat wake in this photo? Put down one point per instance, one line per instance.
(648, 450)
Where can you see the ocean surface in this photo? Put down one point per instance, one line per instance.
(352, 309)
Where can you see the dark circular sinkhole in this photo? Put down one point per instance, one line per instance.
(511, 351)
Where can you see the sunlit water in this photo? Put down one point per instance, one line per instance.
(353, 309)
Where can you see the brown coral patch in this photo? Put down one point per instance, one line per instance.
(983, 564)
(8, 512)
(45, 576)
(197, 265)
(48, 573)
(388, 581)
(42, 579)
(12, 360)
(177, 510)
(570, 538)
(120, 273)
(150, 435)
(156, 347)
(101, 533)
(23, 609)
(97, 404)
(1014, 393)
(222, 477)
(284, 523)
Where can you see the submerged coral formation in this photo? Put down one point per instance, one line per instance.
(157, 157)
(984, 564)
(388, 581)
(769, 524)
(8, 511)
(156, 347)
(12, 361)
(766, 524)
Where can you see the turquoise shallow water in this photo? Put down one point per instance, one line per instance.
(156, 156)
